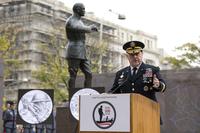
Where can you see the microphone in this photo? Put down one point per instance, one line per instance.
(125, 81)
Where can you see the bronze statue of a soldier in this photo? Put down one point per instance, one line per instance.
(76, 50)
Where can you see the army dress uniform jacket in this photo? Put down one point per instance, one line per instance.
(28, 128)
(125, 82)
(9, 118)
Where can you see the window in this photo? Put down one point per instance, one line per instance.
(149, 44)
(131, 37)
(122, 36)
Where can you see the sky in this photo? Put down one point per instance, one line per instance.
(174, 22)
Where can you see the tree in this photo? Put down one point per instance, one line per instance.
(9, 50)
(189, 56)
(96, 52)
(53, 73)
(4, 45)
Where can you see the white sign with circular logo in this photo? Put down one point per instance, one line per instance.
(105, 113)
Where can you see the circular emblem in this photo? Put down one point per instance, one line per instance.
(132, 44)
(35, 106)
(151, 88)
(74, 102)
(146, 88)
(104, 115)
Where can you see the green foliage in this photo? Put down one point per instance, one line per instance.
(52, 77)
(4, 45)
(189, 54)
(53, 73)
(177, 63)
(8, 49)
(96, 52)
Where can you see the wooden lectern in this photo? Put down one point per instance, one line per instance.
(144, 116)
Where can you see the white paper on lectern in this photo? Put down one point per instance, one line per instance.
(121, 103)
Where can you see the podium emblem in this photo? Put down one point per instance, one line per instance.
(104, 115)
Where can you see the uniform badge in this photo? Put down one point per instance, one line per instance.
(146, 88)
(121, 76)
(121, 79)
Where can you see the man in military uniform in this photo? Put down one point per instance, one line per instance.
(40, 128)
(9, 118)
(139, 77)
(28, 128)
(7, 106)
(76, 50)
(51, 127)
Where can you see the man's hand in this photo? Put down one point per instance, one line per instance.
(94, 28)
(156, 82)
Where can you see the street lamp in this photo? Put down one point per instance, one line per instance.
(120, 16)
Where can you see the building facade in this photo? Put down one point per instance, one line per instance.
(40, 20)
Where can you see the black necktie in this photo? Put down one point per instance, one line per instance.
(134, 71)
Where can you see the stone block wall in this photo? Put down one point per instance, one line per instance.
(180, 104)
